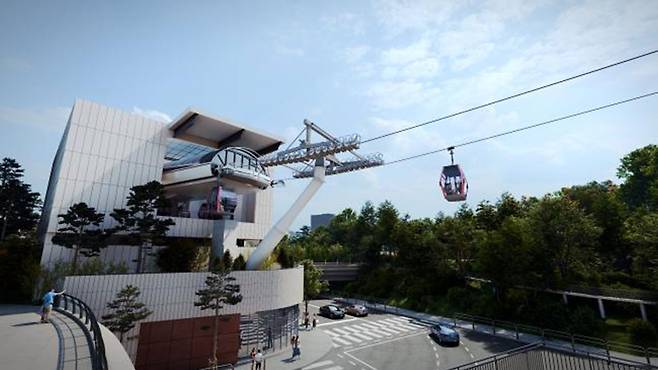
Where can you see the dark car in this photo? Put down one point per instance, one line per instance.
(356, 310)
(445, 334)
(332, 311)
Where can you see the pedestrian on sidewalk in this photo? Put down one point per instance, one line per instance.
(296, 351)
(47, 306)
(293, 340)
(306, 320)
(258, 358)
(315, 321)
(253, 357)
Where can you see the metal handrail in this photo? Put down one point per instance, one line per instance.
(570, 338)
(78, 310)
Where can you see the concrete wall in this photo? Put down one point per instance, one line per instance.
(103, 153)
(171, 296)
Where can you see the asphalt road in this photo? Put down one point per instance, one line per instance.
(383, 341)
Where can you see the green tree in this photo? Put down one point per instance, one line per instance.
(76, 233)
(179, 256)
(126, 311)
(140, 221)
(641, 233)
(227, 260)
(239, 263)
(504, 256)
(639, 170)
(220, 291)
(565, 238)
(19, 268)
(18, 202)
(312, 283)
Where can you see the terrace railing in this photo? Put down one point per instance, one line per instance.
(79, 311)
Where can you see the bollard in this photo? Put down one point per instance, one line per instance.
(573, 343)
(516, 329)
(493, 327)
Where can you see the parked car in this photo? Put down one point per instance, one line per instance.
(332, 311)
(356, 310)
(444, 334)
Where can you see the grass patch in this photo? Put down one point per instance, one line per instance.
(616, 330)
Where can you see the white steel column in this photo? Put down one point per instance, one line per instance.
(280, 229)
(601, 308)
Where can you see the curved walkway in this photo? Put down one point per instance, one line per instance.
(28, 344)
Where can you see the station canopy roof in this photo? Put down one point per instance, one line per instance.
(197, 132)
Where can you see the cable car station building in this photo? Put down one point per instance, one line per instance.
(218, 194)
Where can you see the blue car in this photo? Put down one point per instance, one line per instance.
(444, 334)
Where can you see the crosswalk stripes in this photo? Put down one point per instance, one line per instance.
(372, 330)
(322, 366)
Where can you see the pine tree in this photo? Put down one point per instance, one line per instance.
(76, 234)
(17, 200)
(220, 291)
(140, 221)
(126, 311)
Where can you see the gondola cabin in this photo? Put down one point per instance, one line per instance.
(453, 183)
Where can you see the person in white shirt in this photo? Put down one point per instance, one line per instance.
(259, 359)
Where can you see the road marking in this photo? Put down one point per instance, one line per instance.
(362, 336)
(318, 364)
(337, 322)
(341, 341)
(363, 362)
(370, 332)
(466, 348)
(385, 328)
(331, 333)
(462, 343)
(436, 355)
(334, 368)
(352, 363)
(376, 329)
(434, 348)
(471, 355)
(384, 342)
(341, 331)
(335, 345)
(339, 355)
(438, 364)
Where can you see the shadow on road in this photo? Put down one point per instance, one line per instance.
(489, 342)
(27, 324)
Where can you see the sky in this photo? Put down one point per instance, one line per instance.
(365, 67)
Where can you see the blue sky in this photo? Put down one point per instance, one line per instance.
(352, 67)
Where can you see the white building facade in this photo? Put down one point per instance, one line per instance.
(105, 151)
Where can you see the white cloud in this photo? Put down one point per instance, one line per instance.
(355, 54)
(152, 114)
(45, 118)
(392, 95)
(404, 55)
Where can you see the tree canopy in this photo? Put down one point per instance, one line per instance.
(18, 203)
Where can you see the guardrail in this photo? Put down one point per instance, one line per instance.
(79, 311)
(539, 356)
(570, 340)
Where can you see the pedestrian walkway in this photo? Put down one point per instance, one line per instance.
(60, 345)
(314, 345)
(372, 331)
(323, 365)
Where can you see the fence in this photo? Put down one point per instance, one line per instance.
(559, 339)
(564, 339)
(79, 311)
(539, 356)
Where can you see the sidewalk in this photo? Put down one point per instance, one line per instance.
(26, 344)
(487, 329)
(314, 345)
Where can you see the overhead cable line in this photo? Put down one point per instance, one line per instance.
(509, 132)
(510, 97)
(572, 115)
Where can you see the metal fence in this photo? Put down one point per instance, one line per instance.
(540, 356)
(564, 339)
(79, 311)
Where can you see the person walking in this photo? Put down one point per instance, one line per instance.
(315, 321)
(258, 358)
(253, 357)
(296, 351)
(306, 321)
(292, 345)
(47, 306)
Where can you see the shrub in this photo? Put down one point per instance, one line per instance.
(585, 321)
(239, 263)
(460, 299)
(179, 256)
(643, 333)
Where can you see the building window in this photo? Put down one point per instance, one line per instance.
(249, 243)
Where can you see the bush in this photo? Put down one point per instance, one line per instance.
(586, 321)
(180, 256)
(19, 268)
(461, 299)
(239, 263)
(643, 333)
